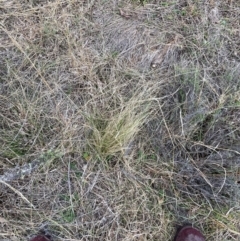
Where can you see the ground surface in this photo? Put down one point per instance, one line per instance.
(119, 120)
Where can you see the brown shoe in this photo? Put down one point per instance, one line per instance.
(188, 233)
(41, 238)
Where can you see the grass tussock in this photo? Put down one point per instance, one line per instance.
(148, 89)
(111, 133)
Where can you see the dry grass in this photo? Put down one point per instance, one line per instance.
(119, 120)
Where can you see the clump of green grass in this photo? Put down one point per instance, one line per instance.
(112, 131)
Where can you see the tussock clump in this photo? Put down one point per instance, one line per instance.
(111, 133)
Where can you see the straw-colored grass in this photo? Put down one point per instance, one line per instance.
(119, 120)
